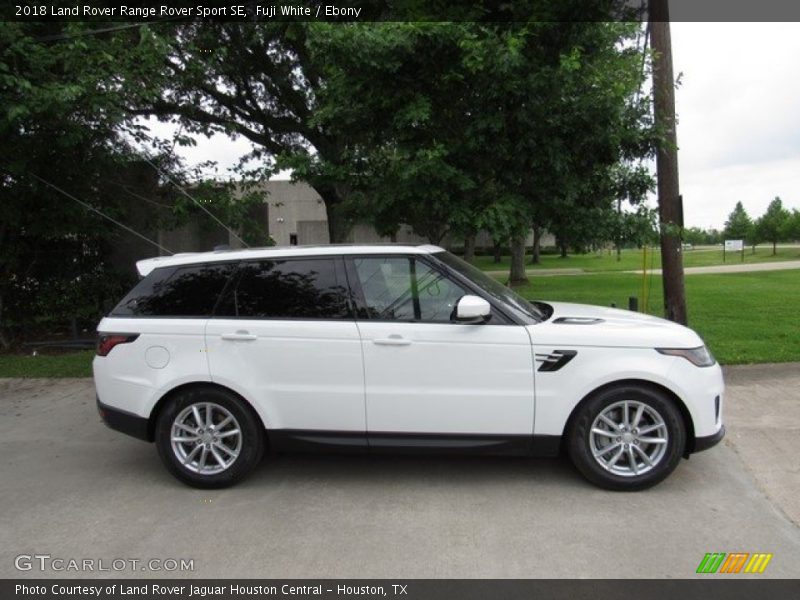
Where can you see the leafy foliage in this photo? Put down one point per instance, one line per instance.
(65, 124)
(739, 225)
(774, 225)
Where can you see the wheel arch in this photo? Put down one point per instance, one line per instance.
(679, 403)
(167, 396)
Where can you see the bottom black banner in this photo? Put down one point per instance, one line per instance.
(408, 589)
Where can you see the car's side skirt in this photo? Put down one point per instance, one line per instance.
(296, 440)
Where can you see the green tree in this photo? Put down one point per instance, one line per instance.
(55, 125)
(698, 236)
(772, 226)
(65, 125)
(460, 126)
(409, 119)
(639, 227)
(739, 226)
(563, 153)
(262, 82)
(793, 226)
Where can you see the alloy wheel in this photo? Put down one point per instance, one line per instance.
(206, 438)
(628, 438)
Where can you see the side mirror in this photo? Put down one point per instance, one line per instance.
(472, 309)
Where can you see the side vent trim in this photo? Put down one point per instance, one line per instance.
(578, 320)
(555, 360)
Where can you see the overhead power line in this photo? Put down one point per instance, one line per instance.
(60, 37)
(200, 206)
(102, 214)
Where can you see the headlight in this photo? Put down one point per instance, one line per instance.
(699, 357)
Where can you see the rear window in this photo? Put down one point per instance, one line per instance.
(190, 291)
(287, 289)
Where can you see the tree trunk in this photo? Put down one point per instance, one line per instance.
(517, 274)
(498, 252)
(670, 209)
(338, 227)
(469, 247)
(774, 248)
(537, 245)
(563, 247)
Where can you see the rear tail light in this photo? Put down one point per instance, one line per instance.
(107, 341)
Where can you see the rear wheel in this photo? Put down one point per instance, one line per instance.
(209, 438)
(627, 438)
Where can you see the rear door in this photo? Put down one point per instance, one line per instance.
(427, 374)
(283, 335)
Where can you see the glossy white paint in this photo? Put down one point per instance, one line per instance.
(447, 378)
(125, 380)
(620, 345)
(611, 328)
(297, 374)
(472, 307)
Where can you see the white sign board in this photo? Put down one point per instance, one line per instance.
(734, 245)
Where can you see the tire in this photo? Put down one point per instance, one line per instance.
(610, 452)
(209, 456)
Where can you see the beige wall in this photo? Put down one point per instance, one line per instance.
(292, 204)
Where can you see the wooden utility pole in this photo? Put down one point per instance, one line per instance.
(670, 204)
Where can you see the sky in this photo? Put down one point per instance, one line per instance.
(738, 110)
(738, 107)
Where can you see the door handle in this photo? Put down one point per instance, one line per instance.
(392, 340)
(239, 336)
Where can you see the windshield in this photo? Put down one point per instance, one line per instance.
(491, 286)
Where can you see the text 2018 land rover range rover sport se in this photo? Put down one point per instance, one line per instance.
(220, 356)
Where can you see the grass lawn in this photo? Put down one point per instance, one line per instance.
(632, 259)
(70, 364)
(743, 317)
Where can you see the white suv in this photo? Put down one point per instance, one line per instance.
(218, 356)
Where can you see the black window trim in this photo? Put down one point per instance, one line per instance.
(361, 304)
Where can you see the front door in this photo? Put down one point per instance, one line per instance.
(425, 373)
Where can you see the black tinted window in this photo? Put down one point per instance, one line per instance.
(190, 291)
(287, 289)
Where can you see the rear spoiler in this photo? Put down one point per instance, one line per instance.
(148, 265)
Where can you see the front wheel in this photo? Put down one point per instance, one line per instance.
(209, 438)
(627, 438)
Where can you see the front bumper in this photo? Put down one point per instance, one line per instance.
(125, 422)
(708, 441)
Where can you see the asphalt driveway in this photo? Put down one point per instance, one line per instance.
(73, 489)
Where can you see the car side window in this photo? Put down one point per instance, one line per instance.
(405, 289)
(287, 289)
(190, 291)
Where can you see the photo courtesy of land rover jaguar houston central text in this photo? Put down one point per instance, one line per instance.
(218, 357)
